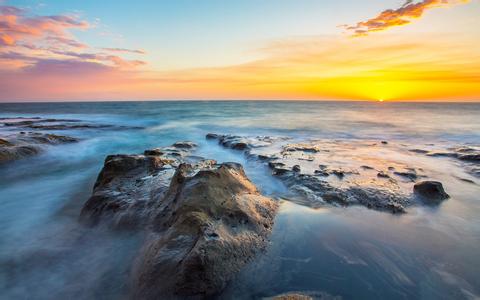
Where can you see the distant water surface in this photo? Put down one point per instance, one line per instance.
(355, 253)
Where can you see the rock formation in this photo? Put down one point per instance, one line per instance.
(431, 191)
(204, 220)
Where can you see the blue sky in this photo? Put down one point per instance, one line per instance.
(187, 33)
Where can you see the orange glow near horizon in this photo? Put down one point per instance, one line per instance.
(380, 66)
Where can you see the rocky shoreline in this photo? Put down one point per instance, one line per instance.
(205, 221)
(302, 168)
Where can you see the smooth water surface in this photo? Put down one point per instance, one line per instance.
(355, 253)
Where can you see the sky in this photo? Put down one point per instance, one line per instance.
(389, 50)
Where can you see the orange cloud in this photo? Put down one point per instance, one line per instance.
(26, 41)
(398, 17)
(16, 26)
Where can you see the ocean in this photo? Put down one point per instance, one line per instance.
(431, 252)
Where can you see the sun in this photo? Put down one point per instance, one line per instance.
(380, 100)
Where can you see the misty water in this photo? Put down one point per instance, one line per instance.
(353, 252)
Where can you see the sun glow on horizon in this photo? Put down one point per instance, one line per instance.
(396, 63)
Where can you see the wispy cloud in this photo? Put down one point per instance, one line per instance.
(15, 26)
(28, 40)
(124, 50)
(404, 15)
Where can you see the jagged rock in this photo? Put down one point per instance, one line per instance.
(122, 192)
(205, 221)
(210, 225)
(431, 190)
(185, 145)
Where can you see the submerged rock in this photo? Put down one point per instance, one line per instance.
(431, 190)
(56, 124)
(21, 145)
(204, 221)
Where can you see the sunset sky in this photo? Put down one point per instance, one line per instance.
(249, 49)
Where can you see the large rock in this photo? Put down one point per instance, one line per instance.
(204, 221)
(209, 226)
(431, 190)
(128, 186)
(123, 190)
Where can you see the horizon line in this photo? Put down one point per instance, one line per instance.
(237, 100)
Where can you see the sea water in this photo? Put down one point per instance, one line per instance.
(354, 252)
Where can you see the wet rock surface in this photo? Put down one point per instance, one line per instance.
(25, 144)
(341, 173)
(431, 191)
(204, 220)
(243, 143)
(122, 195)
